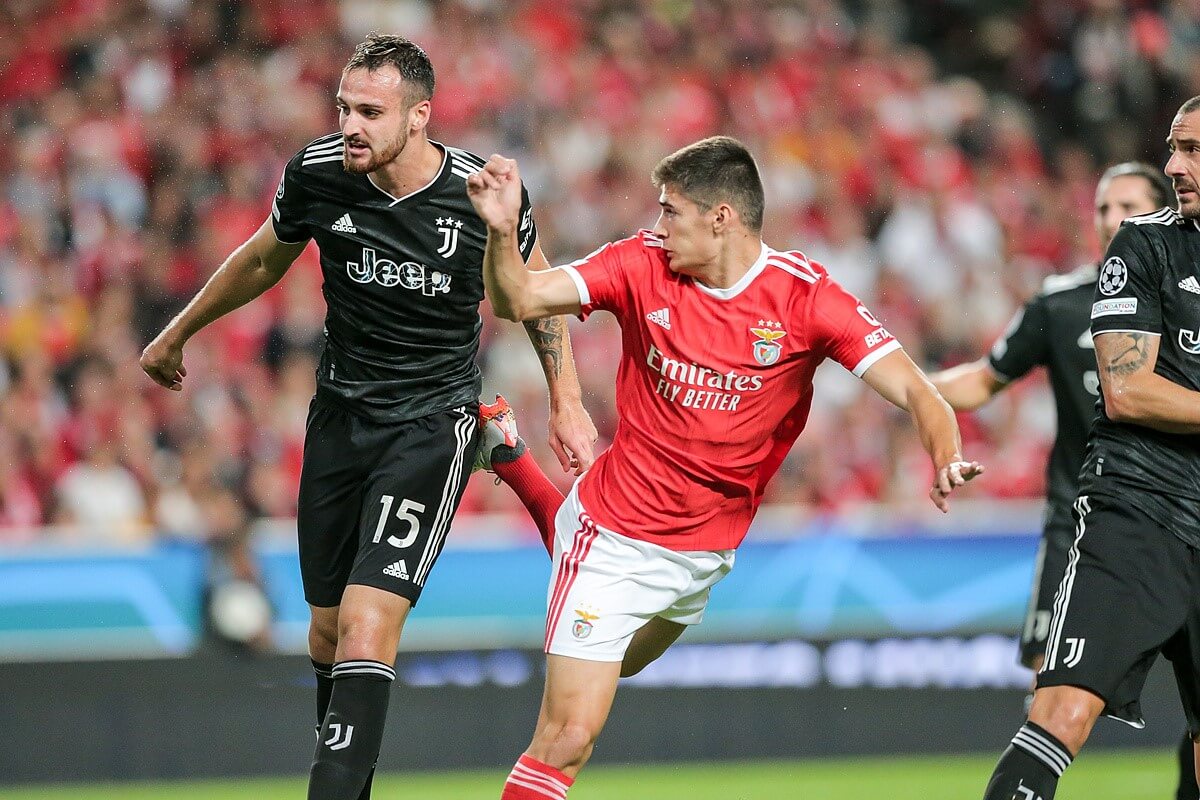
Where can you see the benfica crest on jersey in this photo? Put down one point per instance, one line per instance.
(766, 343)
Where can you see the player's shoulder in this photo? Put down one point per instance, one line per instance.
(802, 270)
(1081, 277)
(1165, 217)
(462, 163)
(321, 155)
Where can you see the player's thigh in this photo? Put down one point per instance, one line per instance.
(1049, 566)
(1124, 594)
(409, 500)
(329, 501)
(650, 642)
(578, 692)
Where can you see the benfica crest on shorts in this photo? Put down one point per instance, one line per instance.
(582, 628)
(766, 343)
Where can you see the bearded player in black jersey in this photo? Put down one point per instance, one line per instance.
(392, 431)
(1131, 586)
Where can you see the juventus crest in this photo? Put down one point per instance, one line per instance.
(448, 228)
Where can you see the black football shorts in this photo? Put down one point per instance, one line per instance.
(1129, 591)
(377, 498)
(1057, 536)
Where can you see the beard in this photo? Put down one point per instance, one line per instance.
(376, 159)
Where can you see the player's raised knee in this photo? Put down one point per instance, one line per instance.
(565, 745)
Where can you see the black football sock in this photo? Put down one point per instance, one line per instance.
(348, 746)
(1187, 770)
(1030, 768)
(324, 673)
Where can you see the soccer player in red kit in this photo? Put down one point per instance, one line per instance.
(721, 335)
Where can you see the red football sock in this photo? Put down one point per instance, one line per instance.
(535, 491)
(530, 779)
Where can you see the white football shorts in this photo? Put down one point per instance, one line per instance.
(605, 586)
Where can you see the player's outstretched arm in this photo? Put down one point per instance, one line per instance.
(515, 292)
(899, 381)
(572, 432)
(968, 386)
(248, 272)
(1134, 392)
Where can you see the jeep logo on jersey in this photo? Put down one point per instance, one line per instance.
(386, 272)
(766, 347)
(1190, 341)
(449, 229)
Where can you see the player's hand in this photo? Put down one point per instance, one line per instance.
(495, 191)
(162, 360)
(572, 435)
(949, 478)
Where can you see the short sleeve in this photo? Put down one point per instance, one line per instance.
(843, 328)
(528, 228)
(1127, 294)
(1024, 344)
(603, 277)
(289, 210)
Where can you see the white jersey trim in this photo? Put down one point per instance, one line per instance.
(1125, 330)
(870, 358)
(733, 291)
(585, 297)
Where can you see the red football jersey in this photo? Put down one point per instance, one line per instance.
(713, 387)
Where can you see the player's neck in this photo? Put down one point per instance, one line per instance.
(733, 262)
(414, 168)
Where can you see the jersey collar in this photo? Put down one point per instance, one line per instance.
(733, 291)
(437, 178)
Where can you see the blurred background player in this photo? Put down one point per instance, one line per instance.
(1132, 576)
(392, 431)
(1052, 330)
(721, 336)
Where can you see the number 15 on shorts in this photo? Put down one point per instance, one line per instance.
(405, 514)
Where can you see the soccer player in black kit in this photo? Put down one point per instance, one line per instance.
(1131, 586)
(1052, 330)
(392, 430)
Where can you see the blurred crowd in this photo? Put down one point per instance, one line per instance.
(938, 157)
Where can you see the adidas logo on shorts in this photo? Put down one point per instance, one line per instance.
(397, 570)
(1190, 284)
(344, 225)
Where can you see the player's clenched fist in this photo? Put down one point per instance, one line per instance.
(162, 360)
(495, 191)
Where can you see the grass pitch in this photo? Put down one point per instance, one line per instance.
(1125, 775)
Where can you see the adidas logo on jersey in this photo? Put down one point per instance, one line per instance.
(344, 225)
(397, 570)
(1190, 284)
(662, 318)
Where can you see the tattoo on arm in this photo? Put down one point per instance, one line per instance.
(1130, 354)
(547, 336)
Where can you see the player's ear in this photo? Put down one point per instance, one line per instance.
(723, 217)
(418, 116)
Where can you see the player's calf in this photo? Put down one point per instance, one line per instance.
(1059, 723)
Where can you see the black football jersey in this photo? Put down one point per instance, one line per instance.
(1148, 283)
(1052, 331)
(403, 280)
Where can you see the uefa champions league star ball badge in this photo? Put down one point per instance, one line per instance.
(1113, 275)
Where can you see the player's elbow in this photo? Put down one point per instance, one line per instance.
(1121, 404)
